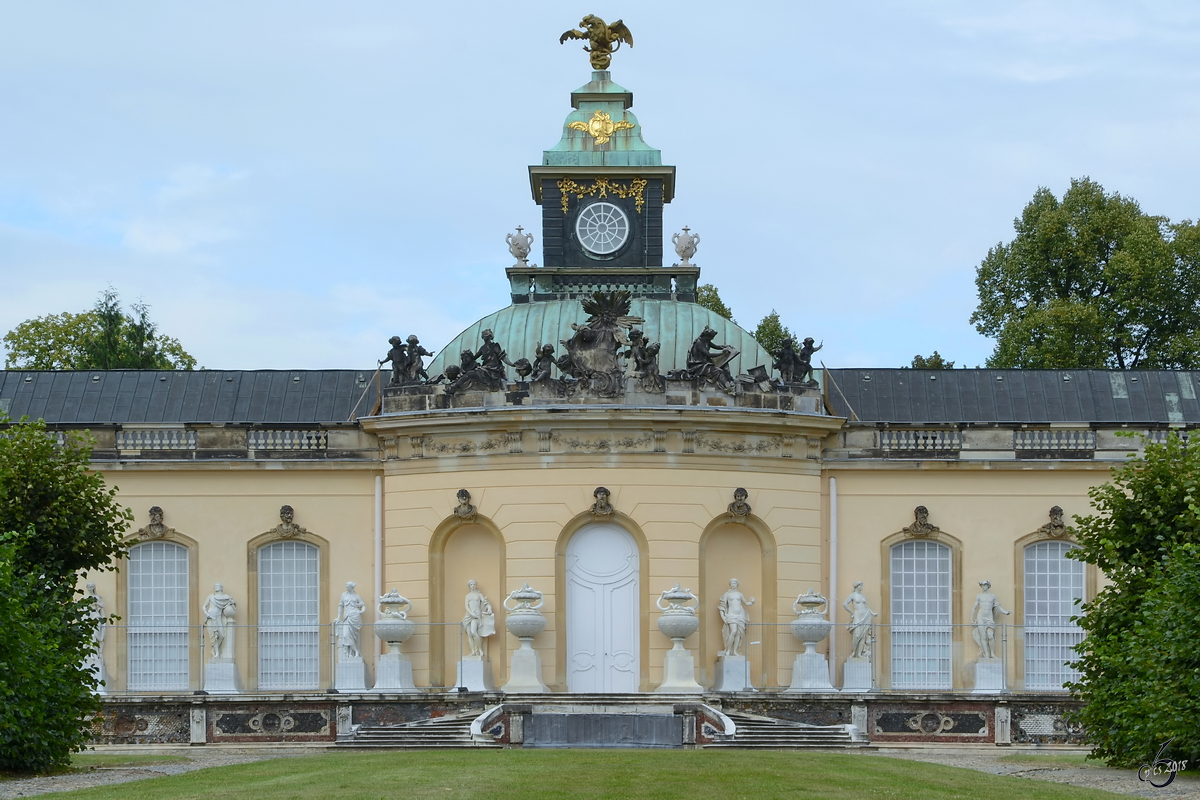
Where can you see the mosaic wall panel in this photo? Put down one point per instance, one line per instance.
(930, 722)
(1045, 723)
(142, 724)
(805, 713)
(271, 722)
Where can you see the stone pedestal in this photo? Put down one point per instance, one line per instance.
(351, 675)
(989, 676)
(810, 673)
(394, 673)
(221, 676)
(856, 675)
(475, 675)
(732, 674)
(679, 672)
(525, 675)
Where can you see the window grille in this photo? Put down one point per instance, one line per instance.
(1052, 584)
(289, 616)
(920, 615)
(158, 617)
(313, 439)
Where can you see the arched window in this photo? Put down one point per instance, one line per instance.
(1053, 583)
(158, 617)
(289, 631)
(920, 615)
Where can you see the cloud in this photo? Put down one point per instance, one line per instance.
(192, 181)
(173, 236)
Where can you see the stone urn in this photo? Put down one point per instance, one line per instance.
(524, 620)
(393, 626)
(810, 625)
(678, 620)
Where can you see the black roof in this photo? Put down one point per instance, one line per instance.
(99, 397)
(1015, 396)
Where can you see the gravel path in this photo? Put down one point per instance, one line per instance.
(984, 760)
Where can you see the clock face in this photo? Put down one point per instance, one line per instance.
(602, 228)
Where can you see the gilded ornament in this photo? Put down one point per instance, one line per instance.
(604, 39)
(600, 189)
(600, 127)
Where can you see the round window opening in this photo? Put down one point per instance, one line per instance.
(602, 228)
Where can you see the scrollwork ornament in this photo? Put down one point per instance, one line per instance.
(600, 188)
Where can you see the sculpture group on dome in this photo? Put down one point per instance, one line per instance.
(601, 354)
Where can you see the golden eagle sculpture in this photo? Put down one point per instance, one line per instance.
(604, 39)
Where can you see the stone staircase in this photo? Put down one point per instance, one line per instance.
(439, 733)
(754, 732)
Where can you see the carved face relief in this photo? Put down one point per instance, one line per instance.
(286, 514)
(156, 515)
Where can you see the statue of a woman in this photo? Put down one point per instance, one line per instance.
(349, 621)
(860, 622)
(734, 617)
(219, 609)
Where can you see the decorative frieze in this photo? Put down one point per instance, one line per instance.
(605, 444)
(738, 445)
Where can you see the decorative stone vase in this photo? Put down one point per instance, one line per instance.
(810, 672)
(524, 620)
(810, 625)
(394, 627)
(678, 620)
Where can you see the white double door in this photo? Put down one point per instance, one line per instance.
(602, 610)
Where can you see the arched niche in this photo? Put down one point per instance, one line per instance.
(463, 550)
(560, 593)
(742, 548)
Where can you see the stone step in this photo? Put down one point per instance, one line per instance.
(768, 733)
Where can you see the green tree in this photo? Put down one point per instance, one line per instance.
(708, 296)
(1140, 664)
(770, 332)
(1091, 281)
(934, 361)
(57, 519)
(103, 338)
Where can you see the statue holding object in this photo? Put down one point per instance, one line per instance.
(703, 367)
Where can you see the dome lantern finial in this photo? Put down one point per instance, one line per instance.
(604, 39)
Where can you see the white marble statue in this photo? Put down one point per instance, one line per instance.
(95, 662)
(983, 617)
(349, 622)
(479, 621)
(219, 609)
(860, 622)
(734, 618)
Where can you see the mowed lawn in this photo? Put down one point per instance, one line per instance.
(625, 774)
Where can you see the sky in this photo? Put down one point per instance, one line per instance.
(287, 184)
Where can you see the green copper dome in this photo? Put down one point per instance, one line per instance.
(520, 328)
